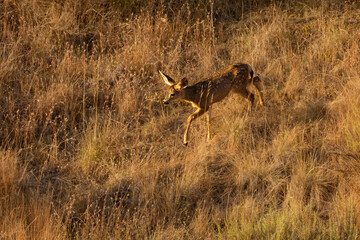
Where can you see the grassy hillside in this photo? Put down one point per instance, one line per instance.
(88, 151)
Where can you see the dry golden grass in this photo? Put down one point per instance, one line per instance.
(87, 151)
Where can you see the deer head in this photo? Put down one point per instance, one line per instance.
(175, 89)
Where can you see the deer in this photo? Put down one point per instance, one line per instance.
(202, 95)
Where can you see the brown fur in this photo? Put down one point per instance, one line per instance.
(203, 94)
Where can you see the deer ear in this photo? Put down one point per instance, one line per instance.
(168, 80)
(183, 82)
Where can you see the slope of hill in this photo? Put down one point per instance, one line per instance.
(88, 151)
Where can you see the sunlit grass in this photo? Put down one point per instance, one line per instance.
(88, 151)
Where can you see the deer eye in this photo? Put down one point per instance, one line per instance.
(173, 94)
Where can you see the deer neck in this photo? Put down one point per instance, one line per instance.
(189, 94)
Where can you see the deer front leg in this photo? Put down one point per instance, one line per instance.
(208, 116)
(193, 116)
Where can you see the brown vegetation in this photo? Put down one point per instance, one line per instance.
(88, 151)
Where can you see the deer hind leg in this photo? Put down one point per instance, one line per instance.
(193, 116)
(257, 84)
(246, 94)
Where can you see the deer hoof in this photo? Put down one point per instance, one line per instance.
(265, 105)
(185, 144)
